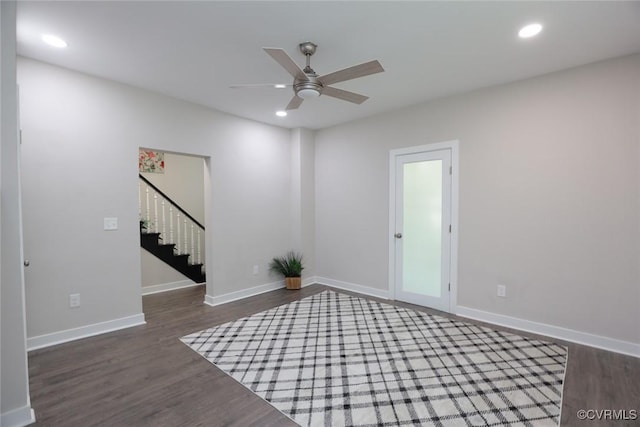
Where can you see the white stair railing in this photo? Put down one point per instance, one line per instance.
(160, 214)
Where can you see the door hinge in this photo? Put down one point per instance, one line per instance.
(449, 287)
(449, 228)
(450, 170)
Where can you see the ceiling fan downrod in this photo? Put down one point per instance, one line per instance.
(308, 49)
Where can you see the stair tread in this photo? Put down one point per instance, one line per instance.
(180, 262)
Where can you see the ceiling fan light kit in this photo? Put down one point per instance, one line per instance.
(305, 93)
(307, 83)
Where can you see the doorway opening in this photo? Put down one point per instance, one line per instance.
(172, 203)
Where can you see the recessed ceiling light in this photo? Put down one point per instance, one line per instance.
(280, 86)
(54, 41)
(281, 113)
(530, 30)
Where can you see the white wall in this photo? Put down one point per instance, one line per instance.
(156, 273)
(81, 136)
(14, 391)
(183, 182)
(549, 196)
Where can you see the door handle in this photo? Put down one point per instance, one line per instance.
(398, 235)
(26, 263)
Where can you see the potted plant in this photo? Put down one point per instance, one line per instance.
(289, 266)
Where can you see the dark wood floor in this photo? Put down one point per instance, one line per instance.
(144, 376)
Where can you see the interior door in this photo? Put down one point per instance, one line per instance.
(423, 228)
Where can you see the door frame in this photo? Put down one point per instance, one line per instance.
(455, 173)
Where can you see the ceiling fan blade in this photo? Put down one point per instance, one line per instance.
(286, 62)
(251, 86)
(294, 103)
(345, 95)
(354, 72)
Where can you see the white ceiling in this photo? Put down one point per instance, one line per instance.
(196, 50)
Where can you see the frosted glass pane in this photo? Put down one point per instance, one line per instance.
(422, 228)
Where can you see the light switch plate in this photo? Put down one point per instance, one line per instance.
(110, 224)
(74, 300)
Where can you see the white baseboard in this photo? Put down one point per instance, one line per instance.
(67, 335)
(19, 417)
(361, 289)
(311, 280)
(598, 341)
(243, 293)
(166, 287)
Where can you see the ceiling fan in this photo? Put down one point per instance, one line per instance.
(307, 84)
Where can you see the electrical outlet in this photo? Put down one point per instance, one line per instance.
(74, 300)
(256, 269)
(502, 291)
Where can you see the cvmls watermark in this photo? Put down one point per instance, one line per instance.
(607, 414)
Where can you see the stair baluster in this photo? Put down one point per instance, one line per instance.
(199, 252)
(155, 211)
(193, 252)
(185, 237)
(164, 221)
(171, 225)
(178, 240)
(148, 216)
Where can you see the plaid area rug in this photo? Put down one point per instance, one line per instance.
(336, 360)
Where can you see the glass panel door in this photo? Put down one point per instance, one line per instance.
(422, 239)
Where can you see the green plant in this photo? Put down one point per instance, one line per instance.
(289, 265)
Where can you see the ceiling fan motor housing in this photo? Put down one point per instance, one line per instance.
(309, 88)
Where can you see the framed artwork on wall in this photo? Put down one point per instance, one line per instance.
(151, 161)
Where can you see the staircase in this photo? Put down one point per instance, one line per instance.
(170, 233)
(152, 242)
